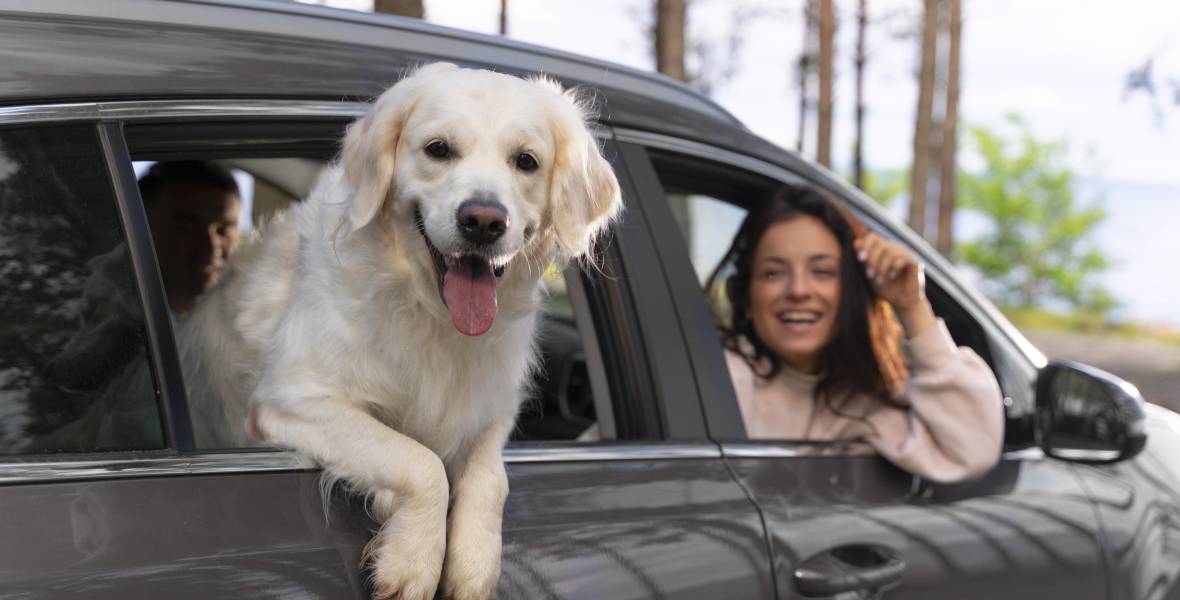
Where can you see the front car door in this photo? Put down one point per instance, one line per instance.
(1025, 530)
(650, 509)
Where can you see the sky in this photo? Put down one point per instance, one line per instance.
(1061, 64)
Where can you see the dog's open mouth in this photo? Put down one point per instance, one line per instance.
(466, 285)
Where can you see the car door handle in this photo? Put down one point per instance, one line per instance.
(848, 568)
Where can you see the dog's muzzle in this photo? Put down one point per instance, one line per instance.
(467, 282)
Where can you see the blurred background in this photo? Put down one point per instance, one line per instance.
(1033, 143)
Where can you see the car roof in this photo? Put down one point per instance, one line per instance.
(79, 50)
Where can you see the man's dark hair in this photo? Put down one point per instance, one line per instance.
(200, 172)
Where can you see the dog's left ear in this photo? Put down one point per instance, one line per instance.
(585, 197)
(369, 150)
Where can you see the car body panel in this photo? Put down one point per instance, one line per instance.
(1026, 530)
(638, 528)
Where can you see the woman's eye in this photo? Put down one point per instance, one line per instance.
(825, 273)
(770, 275)
(526, 162)
(438, 149)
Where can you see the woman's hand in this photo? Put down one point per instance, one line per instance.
(898, 278)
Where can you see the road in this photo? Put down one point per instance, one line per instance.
(1153, 367)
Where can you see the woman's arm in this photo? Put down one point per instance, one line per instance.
(954, 426)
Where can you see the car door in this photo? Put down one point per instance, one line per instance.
(1025, 530)
(1138, 501)
(649, 509)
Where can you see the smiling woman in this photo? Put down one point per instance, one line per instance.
(815, 353)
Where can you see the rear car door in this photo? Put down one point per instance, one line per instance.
(1025, 530)
(616, 489)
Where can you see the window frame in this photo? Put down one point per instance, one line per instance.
(1008, 348)
(611, 298)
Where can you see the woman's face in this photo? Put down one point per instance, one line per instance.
(795, 290)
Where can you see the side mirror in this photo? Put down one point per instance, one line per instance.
(1087, 415)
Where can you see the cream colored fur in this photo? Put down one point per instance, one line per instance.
(328, 335)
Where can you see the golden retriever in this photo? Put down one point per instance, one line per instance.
(384, 327)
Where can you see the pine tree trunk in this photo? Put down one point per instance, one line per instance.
(805, 67)
(405, 8)
(671, 18)
(827, 32)
(858, 170)
(947, 184)
(920, 170)
(503, 17)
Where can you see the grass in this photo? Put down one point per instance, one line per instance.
(1083, 322)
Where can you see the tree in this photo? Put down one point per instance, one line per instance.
(671, 19)
(920, 170)
(503, 17)
(1038, 249)
(404, 8)
(805, 66)
(858, 61)
(885, 186)
(827, 32)
(949, 138)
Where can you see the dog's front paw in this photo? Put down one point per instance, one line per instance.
(406, 565)
(406, 555)
(472, 565)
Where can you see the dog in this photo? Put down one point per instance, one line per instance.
(384, 327)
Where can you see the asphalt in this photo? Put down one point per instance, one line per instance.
(1154, 367)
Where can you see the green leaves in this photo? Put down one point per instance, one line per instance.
(1038, 248)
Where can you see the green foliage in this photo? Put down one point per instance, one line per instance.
(1037, 249)
(886, 186)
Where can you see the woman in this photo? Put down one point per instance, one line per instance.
(815, 352)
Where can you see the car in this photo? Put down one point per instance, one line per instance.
(631, 473)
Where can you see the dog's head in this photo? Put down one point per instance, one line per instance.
(491, 170)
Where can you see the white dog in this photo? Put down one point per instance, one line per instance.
(384, 327)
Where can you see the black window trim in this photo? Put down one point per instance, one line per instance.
(172, 399)
(988, 318)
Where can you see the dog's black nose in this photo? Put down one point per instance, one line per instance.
(482, 221)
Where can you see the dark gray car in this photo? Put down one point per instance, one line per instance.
(631, 473)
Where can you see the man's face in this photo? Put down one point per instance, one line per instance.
(195, 229)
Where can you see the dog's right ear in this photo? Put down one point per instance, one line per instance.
(369, 150)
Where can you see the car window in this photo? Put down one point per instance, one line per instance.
(708, 201)
(566, 396)
(74, 368)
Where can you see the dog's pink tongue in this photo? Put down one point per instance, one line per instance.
(470, 291)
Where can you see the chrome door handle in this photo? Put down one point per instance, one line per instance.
(848, 568)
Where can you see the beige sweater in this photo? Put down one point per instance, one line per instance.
(952, 429)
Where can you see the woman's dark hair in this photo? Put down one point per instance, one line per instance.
(864, 354)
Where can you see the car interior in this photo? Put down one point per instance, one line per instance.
(276, 167)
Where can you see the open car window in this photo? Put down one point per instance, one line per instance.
(567, 398)
(709, 201)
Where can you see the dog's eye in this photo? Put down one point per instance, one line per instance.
(438, 149)
(526, 162)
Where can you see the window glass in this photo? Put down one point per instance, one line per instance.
(74, 372)
(561, 403)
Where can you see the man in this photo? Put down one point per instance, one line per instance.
(192, 209)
